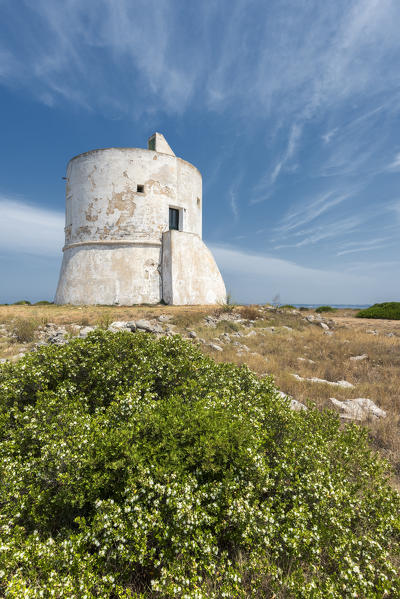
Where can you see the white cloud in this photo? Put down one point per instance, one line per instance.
(29, 229)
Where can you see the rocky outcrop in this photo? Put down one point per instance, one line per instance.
(360, 408)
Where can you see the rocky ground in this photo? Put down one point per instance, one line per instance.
(337, 361)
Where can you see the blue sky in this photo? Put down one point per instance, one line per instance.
(289, 108)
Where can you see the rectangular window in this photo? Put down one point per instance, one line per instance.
(174, 219)
(140, 188)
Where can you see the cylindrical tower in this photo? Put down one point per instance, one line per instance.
(119, 202)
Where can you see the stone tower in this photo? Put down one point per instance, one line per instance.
(133, 230)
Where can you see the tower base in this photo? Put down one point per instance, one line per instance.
(180, 271)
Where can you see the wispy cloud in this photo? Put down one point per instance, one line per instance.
(364, 246)
(332, 230)
(25, 228)
(234, 204)
(310, 210)
(395, 165)
(176, 57)
(326, 137)
(294, 136)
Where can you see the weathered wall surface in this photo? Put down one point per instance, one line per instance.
(190, 274)
(102, 200)
(118, 247)
(113, 231)
(110, 274)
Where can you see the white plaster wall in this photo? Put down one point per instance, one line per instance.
(190, 273)
(110, 274)
(113, 233)
(102, 201)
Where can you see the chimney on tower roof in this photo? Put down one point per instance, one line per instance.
(158, 143)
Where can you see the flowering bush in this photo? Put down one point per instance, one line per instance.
(138, 468)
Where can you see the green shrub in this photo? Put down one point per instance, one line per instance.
(287, 307)
(389, 310)
(325, 309)
(139, 468)
(22, 303)
(43, 303)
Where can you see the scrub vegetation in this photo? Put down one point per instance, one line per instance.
(136, 467)
(387, 310)
(322, 309)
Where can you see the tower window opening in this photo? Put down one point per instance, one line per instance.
(140, 188)
(174, 219)
(198, 202)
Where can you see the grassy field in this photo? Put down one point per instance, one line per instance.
(278, 342)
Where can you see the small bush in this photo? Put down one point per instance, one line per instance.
(137, 468)
(105, 320)
(231, 326)
(227, 306)
(388, 310)
(249, 312)
(304, 309)
(24, 329)
(22, 303)
(223, 308)
(321, 309)
(287, 307)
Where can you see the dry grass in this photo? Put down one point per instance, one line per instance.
(270, 352)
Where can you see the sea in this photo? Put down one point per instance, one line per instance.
(339, 306)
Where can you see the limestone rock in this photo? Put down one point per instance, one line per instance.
(144, 325)
(359, 358)
(314, 379)
(295, 405)
(215, 347)
(57, 337)
(164, 317)
(192, 334)
(360, 408)
(122, 326)
(251, 334)
(225, 338)
(324, 326)
(306, 360)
